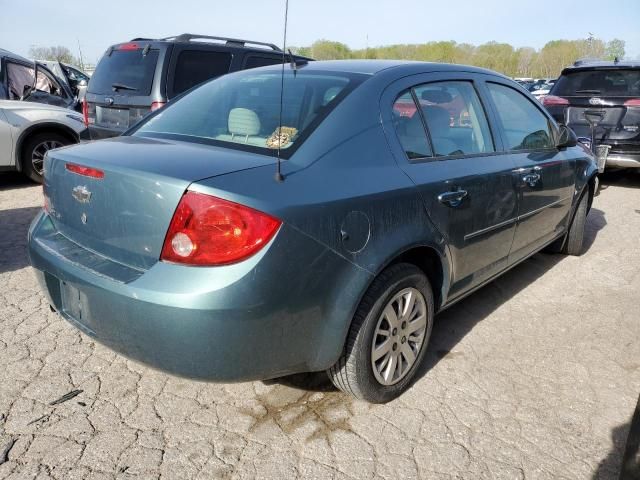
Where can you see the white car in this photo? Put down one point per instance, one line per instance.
(29, 130)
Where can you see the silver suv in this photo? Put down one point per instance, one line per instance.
(29, 129)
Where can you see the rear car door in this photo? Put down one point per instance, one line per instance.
(443, 141)
(544, 175)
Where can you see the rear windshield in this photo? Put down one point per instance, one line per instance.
(615, 82)
(128, 72)
(242, 110)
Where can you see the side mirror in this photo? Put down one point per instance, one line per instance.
(566, 137)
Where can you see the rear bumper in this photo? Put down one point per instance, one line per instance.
(623, 160)
(231, 323)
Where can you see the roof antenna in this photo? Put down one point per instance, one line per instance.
(279, 177)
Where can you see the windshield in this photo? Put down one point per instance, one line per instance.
(243, 110)
(615, 82)
(128, 72)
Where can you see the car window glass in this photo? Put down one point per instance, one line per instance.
(131, 70)
(525, 127)
(253, 61)
(196, 66)
(409, 127)
(18, 77)
(244, 111)
(455, 118)
(615, 82)
(45, 83)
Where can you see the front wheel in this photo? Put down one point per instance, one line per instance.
(388, 336)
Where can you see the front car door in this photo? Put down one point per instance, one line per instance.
(444, 142)
(543, 174)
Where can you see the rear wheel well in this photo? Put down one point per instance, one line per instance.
(429, 261)
(66, 132)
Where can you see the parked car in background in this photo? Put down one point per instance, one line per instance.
(174, 245)
(29, 130)
(543, 89)
(137, 77)
(608, 91)
(22, 79)
(75, 78)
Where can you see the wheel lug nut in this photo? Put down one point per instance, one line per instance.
(394, 332)
(404, 325)
(404, 339)
(395, 347)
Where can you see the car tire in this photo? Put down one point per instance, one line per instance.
(571, 243)
(575, 237)
(34, 148)
(393, 289)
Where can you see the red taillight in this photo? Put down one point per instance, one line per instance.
(207, 230)
(128, 46)
(634, 102)
(85, 112)
(85, 171)
(156, 105)
(553, 101)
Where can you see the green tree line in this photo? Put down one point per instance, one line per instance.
(502, 57)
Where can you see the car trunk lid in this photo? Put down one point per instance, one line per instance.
(124, 215)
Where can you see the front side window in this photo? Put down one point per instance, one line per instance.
(242, 110)
(196, 66)
(455, 118)
(524, 125)
(18, 77)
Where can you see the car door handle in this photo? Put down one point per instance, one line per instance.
(453, 198)
(531, 179)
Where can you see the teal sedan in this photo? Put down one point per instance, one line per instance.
(269, 223)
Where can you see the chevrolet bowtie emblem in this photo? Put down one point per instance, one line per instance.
(81, 194)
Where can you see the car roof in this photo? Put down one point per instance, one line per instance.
(14, 56)
(583, 65)
(372, 67)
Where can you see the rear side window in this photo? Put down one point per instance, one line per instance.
(614, 82)
(129, 72)
(409, 126)
(254, 61)
(196, 66)
(525, 127)
(455, 118)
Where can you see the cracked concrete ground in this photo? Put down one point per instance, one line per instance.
(535, 376)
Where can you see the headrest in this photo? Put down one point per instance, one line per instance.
(330, 94)
(243, 121)
(436, 96)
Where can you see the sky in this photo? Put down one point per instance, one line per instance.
(358, 23)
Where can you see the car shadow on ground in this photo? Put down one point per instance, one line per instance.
(14, 180)
(623, 461)
(14, 225)
(453, 324)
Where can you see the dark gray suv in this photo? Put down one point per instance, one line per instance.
(140, 76)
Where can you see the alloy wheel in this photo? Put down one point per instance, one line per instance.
(399, 336)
